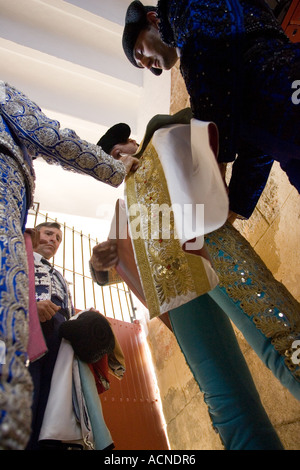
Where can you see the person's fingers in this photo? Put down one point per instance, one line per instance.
(130, 163)
(104, 263)
(46, 310)
(104, 255)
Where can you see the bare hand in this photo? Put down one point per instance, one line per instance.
(105, 256)
(130, 163)
(46, 310)
(35, 237)
(231, 217)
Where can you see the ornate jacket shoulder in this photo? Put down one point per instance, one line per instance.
(8, 142)
(43, 136)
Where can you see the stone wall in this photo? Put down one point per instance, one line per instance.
(274, 232)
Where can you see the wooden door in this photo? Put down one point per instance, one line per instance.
(131, 406)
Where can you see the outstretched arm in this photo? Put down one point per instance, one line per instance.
(42, 136)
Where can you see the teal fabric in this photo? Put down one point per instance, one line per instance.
(101, 434)
(260, 306)
(257, 340)
(209, 345)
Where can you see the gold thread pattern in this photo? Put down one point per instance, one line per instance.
(15, 381)
(43, 137)
(169, 276)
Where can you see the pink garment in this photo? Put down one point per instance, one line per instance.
(36, 346)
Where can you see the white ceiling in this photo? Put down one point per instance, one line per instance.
(67, 56)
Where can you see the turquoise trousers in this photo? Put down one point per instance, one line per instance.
(208, 342)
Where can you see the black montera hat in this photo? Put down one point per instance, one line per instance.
(117, 134)
(90, 335)
(135, 21)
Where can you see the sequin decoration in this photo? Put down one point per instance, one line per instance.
(15, 381)
(212, 38)
(169, 276)
(43, 137)
(252, 287)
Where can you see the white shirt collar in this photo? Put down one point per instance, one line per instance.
(38, 258)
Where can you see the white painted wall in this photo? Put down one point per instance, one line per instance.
(68, 57)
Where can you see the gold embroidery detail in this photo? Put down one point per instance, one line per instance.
(166, 271)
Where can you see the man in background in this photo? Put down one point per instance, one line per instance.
(54, 306)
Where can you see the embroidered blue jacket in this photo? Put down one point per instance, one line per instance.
(28, 133)
(224, 46)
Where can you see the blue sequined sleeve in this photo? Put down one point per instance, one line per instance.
(212, 37)
(43, 137)
(208, 36)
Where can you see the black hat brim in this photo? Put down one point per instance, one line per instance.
(135, 21)
(90, 335)
(117, 134)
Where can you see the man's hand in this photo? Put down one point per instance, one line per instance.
(231, 217)
(130, 163)
(35, 236)
(46, 310)
(105, 256)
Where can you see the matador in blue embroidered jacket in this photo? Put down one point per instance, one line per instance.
(26, 133)
(239, 69)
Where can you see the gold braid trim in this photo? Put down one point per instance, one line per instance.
(170, 277)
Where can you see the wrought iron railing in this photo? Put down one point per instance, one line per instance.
(72, 260)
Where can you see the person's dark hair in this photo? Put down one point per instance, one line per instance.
(48, 224)
(135, 21)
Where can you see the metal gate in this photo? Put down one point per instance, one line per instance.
(72, 260)
(131, 407)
